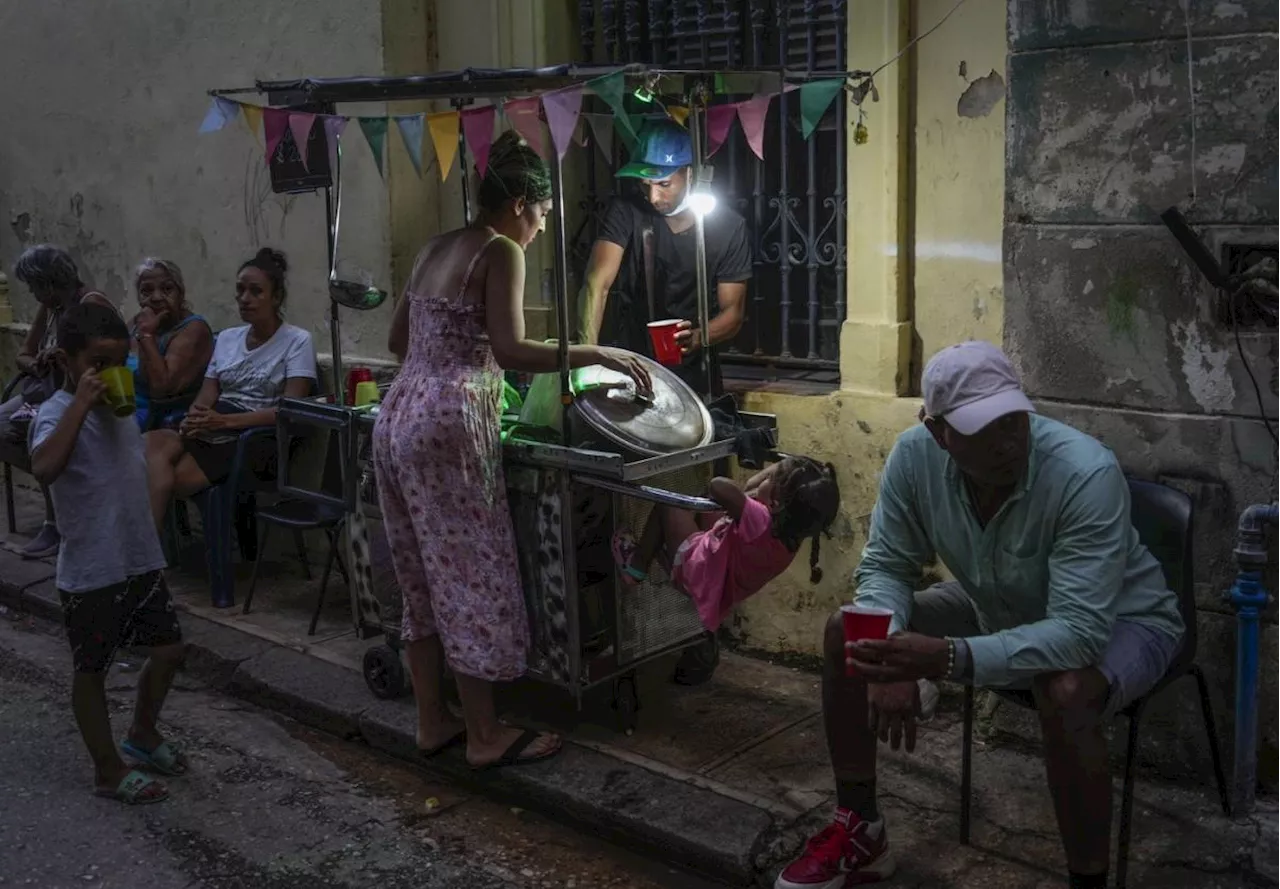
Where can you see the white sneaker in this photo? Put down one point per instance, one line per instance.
(929, 696)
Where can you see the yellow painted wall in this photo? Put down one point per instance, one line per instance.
(925, 222)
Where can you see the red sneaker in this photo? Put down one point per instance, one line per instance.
(849, 852)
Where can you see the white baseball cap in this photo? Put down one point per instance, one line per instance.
(971, 385)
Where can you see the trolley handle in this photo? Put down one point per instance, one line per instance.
(654, 495)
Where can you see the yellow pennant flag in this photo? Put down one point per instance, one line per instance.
(443, 127)
(678, 113)
(252, 117)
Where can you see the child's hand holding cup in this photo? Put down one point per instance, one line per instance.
(862, 622)
(118, 392)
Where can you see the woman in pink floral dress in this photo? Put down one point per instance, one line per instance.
(438, 459)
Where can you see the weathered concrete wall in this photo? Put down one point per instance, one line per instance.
(101, 155)
(1117, 112)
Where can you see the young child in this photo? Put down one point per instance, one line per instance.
(719, 559)
(109, 568)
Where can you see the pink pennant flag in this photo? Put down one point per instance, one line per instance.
(523, 114)
(477, 127)
(752, 114)
(274, 121)
(719, 119)
(333, 127)
(562, 108)
(300, 124)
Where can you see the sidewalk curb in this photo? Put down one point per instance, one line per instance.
(674, 821)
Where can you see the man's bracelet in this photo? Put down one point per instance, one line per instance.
(951, 659)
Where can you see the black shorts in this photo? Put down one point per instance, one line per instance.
(136, 612)
(215, 459)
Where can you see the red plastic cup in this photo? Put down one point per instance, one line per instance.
(863, 622)
(354, 376)
(663, 336)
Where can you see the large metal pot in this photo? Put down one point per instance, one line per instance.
(607, 411)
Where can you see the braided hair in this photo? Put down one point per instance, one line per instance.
(805, 506)
(515, 171)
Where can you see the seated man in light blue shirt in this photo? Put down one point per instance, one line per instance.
(1053, 593)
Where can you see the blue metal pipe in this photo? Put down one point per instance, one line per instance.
(1248, 597)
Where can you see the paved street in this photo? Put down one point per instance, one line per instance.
(268, 805)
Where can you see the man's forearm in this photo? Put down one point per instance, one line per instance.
(591, 311)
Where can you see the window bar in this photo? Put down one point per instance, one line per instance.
(784, 198)
(587, 28)
(609, 14)
(703, 10)
(837, 199)
(657, 31)
(677, 34)
(731, 13)
(631, 10)
(757, 194)
(811, 191)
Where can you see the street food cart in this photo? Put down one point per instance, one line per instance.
(602, 462)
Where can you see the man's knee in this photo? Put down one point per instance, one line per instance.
(171, 655)
(1082, 693)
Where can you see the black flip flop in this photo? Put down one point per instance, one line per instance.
(456, 741)
(511, 756)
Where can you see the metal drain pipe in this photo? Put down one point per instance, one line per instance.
(1249, 598)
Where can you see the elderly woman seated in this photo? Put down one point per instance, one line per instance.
(252, 368)
(172, 345)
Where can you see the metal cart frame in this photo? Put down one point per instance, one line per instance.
(546, 473)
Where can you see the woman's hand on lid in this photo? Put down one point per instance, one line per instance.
(630, 364)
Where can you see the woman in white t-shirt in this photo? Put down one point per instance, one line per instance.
(252, 368)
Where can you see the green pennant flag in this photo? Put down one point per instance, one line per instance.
(375, 133)
(612, 88)
(815, 98)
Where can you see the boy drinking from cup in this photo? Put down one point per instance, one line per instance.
(87, 448)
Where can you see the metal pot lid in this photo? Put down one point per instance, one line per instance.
(674, 419)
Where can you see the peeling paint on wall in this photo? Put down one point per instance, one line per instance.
(981, 96)
(1203, 367)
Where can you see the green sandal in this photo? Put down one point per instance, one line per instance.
(132, 790)
(167, 758)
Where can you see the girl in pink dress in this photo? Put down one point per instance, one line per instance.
(719, 559)
(438, 459)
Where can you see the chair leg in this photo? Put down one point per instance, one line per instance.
(1206, 708)
(216, 508)
(8, 498)
(1126, 799)
(324, 580)
(253, 581)
(337, 542)
(301, 541)
(966, 765)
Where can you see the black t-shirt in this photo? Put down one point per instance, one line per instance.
(674, 272)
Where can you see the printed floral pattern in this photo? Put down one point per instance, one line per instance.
(437, 455)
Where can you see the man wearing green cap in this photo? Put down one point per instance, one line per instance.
(643, 263)
(643, 268)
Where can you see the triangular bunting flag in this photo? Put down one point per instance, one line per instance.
(678, 113)
(815, 98)
(719, 120)
(602, 129)
(375, 133)
(477, 126)
(612, 88)
(274, 123)
(580, 132)
(410, 127)
(752, 114)
(333, 127)
(444, 136)
(562, 108)
(252, 117)
(221, 112)
(523, 114)
(300, 124)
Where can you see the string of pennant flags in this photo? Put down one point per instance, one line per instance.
(560, 110)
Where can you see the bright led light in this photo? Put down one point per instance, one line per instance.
(702, 202)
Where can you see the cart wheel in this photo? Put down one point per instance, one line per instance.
(383, 672)
(626, 702)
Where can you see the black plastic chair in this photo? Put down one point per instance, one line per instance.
(13, 452)
(325, 510)
(1163, 519)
